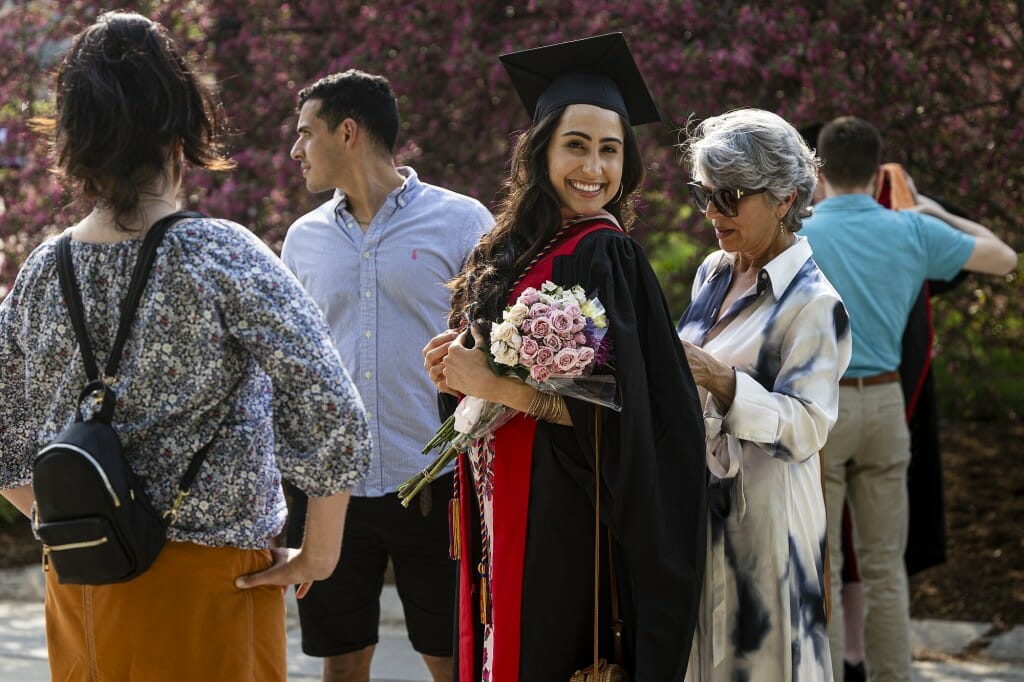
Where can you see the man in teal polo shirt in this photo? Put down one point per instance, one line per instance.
(878, 259)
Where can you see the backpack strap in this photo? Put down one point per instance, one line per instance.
(73, 302)
(189, 477)
(102, 394)
(140, 275)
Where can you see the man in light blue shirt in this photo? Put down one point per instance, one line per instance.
(878, 259)
(375, 257)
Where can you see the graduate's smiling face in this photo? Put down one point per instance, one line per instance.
(319, 150)
(585, 157)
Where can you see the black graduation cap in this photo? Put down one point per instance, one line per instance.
(598, 70)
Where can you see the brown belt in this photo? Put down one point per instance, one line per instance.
(861, 382)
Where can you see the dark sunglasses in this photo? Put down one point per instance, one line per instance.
(727, 201)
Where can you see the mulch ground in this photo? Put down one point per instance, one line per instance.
(983, 577)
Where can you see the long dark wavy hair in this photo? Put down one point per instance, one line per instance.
(125, 95)
(529, 214)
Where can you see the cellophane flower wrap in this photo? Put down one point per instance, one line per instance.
(552, 338)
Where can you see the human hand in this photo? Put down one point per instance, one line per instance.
(321, 547)
(290, 567)
(707, 370)
(434, 354)
(700, 362)
(911, 186)
(927, 206)
(466, 370)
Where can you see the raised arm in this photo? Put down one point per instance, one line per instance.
(991, 255)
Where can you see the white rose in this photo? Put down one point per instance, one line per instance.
(517, 313)
(504, 354)
(467, 414)
(506, 333)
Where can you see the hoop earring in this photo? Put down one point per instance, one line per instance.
(618, 195)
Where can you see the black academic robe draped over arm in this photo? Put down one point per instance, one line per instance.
(653, 478)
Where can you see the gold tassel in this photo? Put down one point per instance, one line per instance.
(454, 529)
(485, 600)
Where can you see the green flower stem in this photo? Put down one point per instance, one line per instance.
(408, 490)
(444, 435)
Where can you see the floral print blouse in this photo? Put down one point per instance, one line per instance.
(226, 348)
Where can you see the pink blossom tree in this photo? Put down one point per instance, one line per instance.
(941, 80)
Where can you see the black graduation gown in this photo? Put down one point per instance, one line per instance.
(926, 539)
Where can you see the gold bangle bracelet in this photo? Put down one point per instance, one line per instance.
(556, 409)
(536, 405)
(548, 407)
(546, 411)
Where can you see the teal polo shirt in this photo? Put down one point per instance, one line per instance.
(877, 259)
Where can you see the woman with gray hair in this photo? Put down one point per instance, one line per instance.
(767, 339)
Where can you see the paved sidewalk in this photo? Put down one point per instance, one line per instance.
(944, 651)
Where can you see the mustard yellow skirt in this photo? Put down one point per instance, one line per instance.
(183, 619)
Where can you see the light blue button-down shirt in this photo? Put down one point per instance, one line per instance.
(383, 294)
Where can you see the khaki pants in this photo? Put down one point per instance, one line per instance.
(866, 460)
(183, 619)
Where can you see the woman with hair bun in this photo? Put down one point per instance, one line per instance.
(227, 355)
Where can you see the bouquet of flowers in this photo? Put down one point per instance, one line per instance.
(552, 338)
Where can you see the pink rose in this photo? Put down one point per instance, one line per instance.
(580, 339)
(586, 356)
(553, 342)
(578, 324)
(525, 326)
(573, 310)
(539, 373)
(541, 327)
(529, 296)
(544, 356)
(539, 310)
(528, 350)
(566, 360)
(560, 322)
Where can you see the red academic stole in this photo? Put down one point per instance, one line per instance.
(513, 445)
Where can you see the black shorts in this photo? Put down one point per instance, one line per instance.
(341, 614)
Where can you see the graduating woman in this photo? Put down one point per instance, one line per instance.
(526, 493)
